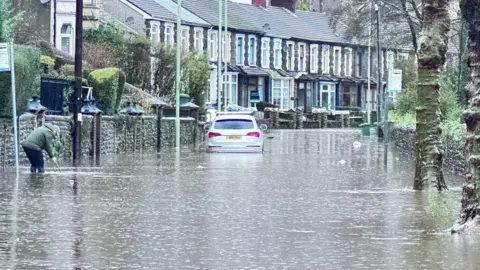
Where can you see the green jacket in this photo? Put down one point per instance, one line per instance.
(41, 139)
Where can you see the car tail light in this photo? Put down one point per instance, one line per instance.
(254, 134)
(213, 134)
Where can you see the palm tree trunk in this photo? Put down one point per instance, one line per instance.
(431, 59)
(471, 188)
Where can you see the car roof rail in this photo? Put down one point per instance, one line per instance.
(237, 113)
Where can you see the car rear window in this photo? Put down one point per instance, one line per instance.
(234, 124)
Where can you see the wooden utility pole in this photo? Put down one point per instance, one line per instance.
(77, 117)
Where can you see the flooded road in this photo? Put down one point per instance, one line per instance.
(312, 200)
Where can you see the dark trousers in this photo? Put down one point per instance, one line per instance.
(36, 159)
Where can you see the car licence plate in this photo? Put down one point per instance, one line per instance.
(234, 137)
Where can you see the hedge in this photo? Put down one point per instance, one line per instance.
(27, 80)
(108, 87)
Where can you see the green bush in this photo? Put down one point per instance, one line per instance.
(67, 70)
(27, 80)
(105, 83)
(120, 89)
(195, 72)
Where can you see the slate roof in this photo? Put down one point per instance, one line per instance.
(280, 22)
(167, 10)
(254, 71)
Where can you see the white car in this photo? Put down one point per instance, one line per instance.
(235, 132)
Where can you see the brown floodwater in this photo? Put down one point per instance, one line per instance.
(311, 201)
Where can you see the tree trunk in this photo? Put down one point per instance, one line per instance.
(471, 189)
(431, 59)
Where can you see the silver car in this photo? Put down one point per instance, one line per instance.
(235, 132)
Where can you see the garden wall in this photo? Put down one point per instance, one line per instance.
(118, 134)
(403, 136)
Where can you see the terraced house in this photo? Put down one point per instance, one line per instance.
(273, 53)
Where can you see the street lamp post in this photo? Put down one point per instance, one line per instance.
(219, 62)
(226, 53)
(177, 74)
(379, 67)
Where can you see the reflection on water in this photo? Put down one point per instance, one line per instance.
(312, 200)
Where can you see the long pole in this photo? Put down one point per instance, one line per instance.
(14, 105)
(369, 62)
(219, 62)
(226, 53)
(379, 67)
(177, 74)
(78, 80)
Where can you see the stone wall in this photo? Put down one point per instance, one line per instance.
(118, 134)
(403, 136)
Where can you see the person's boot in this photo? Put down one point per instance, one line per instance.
(33, 169)
(41, 170)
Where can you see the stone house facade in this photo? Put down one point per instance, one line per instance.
(272, 53)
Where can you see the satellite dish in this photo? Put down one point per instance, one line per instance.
(44, 1)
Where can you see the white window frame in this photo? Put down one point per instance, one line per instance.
(326, 59)
(337, 63)
(172, 28)
(302, 64)
(69, 36)
(213, 45)
(226, 53)
(154, 35)
(331, 95)
(290, 57)
(185, 39)
(240, 57)
(230, 79)
(198, 41)
(277, 53)
(358, 64)
(266, 52)
(348, 64)
(314, 58)
(390, 60)
(252, 58)
(285, 103)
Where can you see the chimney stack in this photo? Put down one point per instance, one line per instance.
(288, 4)
(261, 3)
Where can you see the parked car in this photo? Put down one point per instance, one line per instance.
(235, 132)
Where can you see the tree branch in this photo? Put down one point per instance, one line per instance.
(410, 24)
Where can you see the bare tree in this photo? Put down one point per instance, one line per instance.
(431, 59)
(402, 20)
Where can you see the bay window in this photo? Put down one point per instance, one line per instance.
(230, 88)
(281, 93)
(327, 96)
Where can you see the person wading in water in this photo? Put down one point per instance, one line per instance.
(40, 139)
